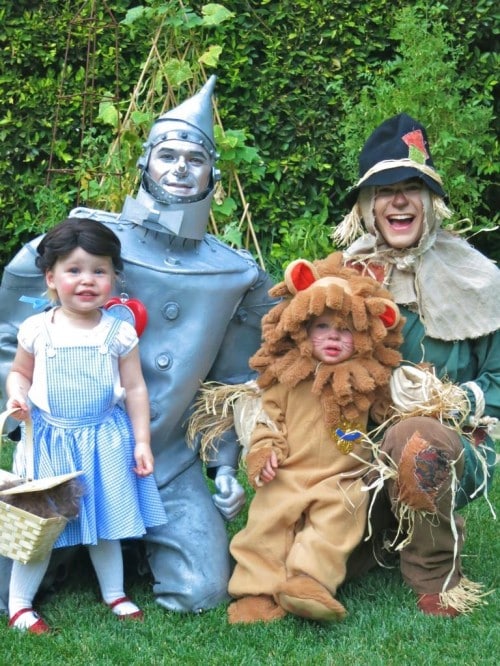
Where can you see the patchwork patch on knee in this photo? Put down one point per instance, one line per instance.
(422, 472)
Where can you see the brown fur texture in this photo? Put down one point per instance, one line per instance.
(348, 389)
(304, 596)
(260, 608)
(255, 461)
(62, 500)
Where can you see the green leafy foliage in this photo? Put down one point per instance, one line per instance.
(425, 80)
(46, 107)
(300, 86)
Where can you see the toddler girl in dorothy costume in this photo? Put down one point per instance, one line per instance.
(77, 376)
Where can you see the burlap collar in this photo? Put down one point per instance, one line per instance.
(452, 286)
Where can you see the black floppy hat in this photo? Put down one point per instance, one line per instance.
(395, 151)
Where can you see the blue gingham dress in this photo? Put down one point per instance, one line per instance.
(85, 430)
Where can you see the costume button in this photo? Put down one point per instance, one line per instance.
(170, 310)
(163, 361)
(242, 315)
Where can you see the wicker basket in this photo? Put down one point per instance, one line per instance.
(24, 536)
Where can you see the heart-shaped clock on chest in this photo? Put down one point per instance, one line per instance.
(128, 309)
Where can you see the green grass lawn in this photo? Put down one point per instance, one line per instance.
(383, 626)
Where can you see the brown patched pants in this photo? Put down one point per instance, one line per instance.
(424, 453)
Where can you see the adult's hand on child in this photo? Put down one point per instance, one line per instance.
(230, 497)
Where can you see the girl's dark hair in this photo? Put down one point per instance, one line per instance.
(91, 235)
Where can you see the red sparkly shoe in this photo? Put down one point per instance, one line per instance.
(134, 615)
(38, 627)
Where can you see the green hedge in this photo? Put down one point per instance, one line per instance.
(303, 83)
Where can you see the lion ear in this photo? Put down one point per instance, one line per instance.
(390, 316)
(299, 275)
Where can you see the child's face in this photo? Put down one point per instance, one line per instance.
(83, 281)
(329, 344)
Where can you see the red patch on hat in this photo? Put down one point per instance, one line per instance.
(415, 141)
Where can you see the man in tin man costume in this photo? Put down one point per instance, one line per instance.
(203, 303)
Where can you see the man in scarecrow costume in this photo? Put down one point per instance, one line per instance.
(434, 460)
(328, 351)
(199, 304)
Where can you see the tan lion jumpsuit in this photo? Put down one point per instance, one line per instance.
(312, 515)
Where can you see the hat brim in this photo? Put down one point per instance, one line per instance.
(392, 176)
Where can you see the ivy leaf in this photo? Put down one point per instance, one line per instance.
(214, 14)
(226, 208)
(211, 56)
(141, 117)
(108, 113)
(177, 71)
(133, 15)
(232, 234)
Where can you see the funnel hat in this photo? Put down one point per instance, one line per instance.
(154, 206)
(396, 150)
(190, 121)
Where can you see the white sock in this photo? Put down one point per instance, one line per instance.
(107, 560)
(25, 580)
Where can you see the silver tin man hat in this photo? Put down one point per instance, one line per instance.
(190, 121)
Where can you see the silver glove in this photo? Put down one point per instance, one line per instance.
(230, 497)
